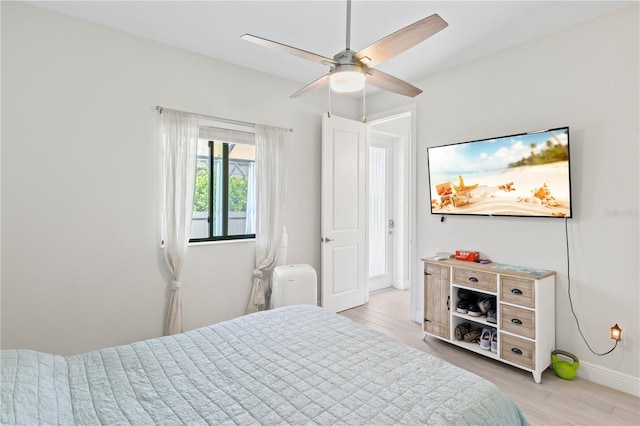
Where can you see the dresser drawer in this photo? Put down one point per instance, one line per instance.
(435, 269)
(518, 291)
(517, 350)
(518, 321)
(475, 279)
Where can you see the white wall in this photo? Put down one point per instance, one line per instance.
(585, 77)
(82, 267)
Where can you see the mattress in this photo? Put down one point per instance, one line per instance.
(292, 365)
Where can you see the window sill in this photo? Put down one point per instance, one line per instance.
(209, 243)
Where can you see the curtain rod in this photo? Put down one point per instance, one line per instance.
(210, 117)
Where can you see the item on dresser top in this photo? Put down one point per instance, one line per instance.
(445, 255)
(520, 269)
(469, 256)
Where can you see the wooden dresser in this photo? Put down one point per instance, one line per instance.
(525, 305)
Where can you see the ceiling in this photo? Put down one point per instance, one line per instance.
(213, 28)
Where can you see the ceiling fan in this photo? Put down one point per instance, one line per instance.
(350, 69)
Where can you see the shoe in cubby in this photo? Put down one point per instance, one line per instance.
(463, 306)
(485, 339)
(474, 310)
(492, 316)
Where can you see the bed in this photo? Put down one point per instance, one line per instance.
(292, 365)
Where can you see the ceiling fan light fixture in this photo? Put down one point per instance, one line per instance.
(350, 69)
(347, 79)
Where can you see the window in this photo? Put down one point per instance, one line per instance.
(224, 201)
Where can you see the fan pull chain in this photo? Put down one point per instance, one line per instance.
(364, 103)
(329, 110)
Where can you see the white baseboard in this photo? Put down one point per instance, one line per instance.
(610, 378)
(401, 285)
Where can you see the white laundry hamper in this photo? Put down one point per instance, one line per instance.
(294, 285)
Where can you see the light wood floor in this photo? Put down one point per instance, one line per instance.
(553, 402)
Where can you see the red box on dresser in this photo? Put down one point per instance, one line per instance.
(470, 256)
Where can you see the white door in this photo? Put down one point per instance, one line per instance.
(381, 220)
(343, 222)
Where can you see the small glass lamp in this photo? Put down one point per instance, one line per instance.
(616, 333)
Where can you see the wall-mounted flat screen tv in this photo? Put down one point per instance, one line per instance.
(527, 174)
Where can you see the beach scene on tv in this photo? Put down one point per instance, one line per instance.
(521, 175)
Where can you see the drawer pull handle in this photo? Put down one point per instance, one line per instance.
(473, 279)
(516, 291)
(516, 321)
(516, 351)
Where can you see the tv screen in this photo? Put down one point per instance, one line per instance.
(519, 175)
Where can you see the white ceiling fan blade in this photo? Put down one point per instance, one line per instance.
(390, 83)
(288, 49)
(401, 40)
(313, 85)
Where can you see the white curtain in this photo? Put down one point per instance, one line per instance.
(179, 134)
(271, 170)
(250, 220)
(377, 211)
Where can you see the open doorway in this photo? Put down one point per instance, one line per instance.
(398, 126)
(381, 217)
(390, 201)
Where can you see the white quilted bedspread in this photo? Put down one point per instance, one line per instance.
(294, 365)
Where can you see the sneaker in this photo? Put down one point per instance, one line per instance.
(463, 306)
(474, 310)
(464, 294)
(492, 316)
(473, 298)
(494, 342)
(485, 304)
(485, 339)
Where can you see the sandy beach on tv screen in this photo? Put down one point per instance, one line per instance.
(521, 200)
